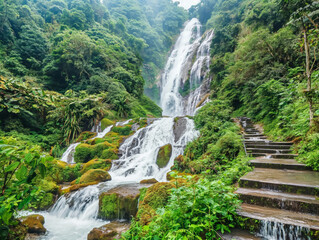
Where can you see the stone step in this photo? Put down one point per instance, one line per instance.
(267, 142)
(289, 181)
(267, 146)
(269, 155)
(250, 138)
(276, 163)
(282, 216)
(238, 234)
(254, 135)
(273, 199)
(266, 150)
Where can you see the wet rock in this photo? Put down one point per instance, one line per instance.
(135, 127)
(75, 187)
(179, 127)
(164, 155)
(95, 175)
(151, 120)
(118, 203)
(149, 181)
(34, 223)
(109, 231)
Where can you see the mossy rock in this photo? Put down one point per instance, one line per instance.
(105, 150)
(83, 153)
(149, 181)
(110, 154)
(47, 186)
(124, 130)
(86, 135)
(95, 175)
(60, 163)
(76, 187)
(34, 224)
(109, 231)
(97, 164)
(106, 123)
(114, 205)
(164, 155)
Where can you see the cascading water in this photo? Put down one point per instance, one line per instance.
(179, 61)
(180, 71)
(278, 231)
(139, 152)
(75, 214)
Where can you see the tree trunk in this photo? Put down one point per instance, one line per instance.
(308, 73)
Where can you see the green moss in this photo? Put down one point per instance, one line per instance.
(95, 175)
(164, 155)
(110, 154)
(83, 153)
(97, 164)
(47, 186)
(125, 130)
(106, 123)
(116, 206)
(85, 135)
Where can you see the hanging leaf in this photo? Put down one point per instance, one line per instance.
(42, 169)
(22, 173)
(12, 167)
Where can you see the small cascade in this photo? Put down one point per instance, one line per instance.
(139, 152)
(278, 231)
(68, 155)
(82, 204)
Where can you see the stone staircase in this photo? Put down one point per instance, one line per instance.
(280, 196)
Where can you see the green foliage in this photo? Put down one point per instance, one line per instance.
(309, 151)
(20, 164)
(195, 211)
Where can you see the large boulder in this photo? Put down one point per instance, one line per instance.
(94, 175)
(34, 223)
(119, 203)
(106, 123)
(109, 231)
(85, 136)
(164, 155)
(179, 127)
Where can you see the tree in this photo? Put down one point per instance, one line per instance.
(306, 18)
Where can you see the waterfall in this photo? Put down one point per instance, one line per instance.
(176, 68)
(139, 152)
(188, 64)
(279, 231)
(75, 214)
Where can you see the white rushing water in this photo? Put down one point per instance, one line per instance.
(277, 231)
(139, 152)
(180, 69)
(74, 215)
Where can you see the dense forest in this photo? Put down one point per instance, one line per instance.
(66, 65)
